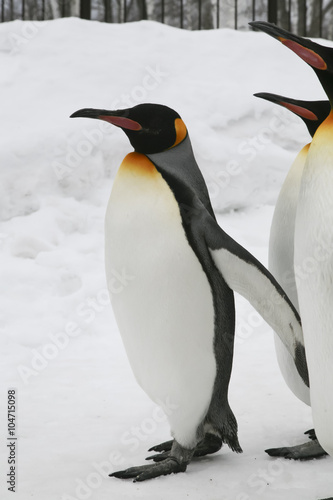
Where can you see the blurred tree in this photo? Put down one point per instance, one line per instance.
(301, 17)
(135, 10)
(85, 9)
(108, 17)
(305, 17)
(272, 13)
(283, 14)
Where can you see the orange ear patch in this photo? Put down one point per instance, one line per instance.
(308, 55)
(181, 131)
(298, 110)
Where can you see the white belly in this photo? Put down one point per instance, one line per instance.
(165, 312)
(314, 256)
(281, 264)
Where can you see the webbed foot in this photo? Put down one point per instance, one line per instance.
(177, 460)
(306, 451)
(169, 466)
(210, 444)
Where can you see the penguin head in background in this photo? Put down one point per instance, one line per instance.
(150, 128)
(313, 113)
(319, 57)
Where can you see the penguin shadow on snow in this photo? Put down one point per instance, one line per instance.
(177, 316)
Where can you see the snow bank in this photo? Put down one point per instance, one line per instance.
(54, 68)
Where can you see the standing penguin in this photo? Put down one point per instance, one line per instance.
(314, 241)
(281, 243)
(176, 316)
(281, 254)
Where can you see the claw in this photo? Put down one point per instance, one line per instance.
(311, 433)
(159, 457)
(166, 446)
(169, 466)
(307, 451)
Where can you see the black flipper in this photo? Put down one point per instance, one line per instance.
(245, 275)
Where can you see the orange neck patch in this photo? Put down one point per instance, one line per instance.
(325, 131)
(308, 55)
(138, 164)
(328, 122)
(181, 131)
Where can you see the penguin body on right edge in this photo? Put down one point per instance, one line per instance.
(314, 240)
(281, 254)
(281, 240)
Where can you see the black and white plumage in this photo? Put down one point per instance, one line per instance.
(313, 240)
(176, 316)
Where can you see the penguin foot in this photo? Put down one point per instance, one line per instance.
(311, 435)
(177, 461)
(166, 446)
(169, 466)
(159, 456)
(210, 444)
(307, 451)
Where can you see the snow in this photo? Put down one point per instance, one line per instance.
(80, 413)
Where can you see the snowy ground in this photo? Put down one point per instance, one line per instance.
(80, 414)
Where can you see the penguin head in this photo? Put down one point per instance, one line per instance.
(151, 128)
(313, 113)
(319, 57)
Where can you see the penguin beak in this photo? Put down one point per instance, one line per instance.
(117, 118)
(277, 99)
(291, 104)
(312, 53)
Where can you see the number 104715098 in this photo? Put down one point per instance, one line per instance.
(11, 408)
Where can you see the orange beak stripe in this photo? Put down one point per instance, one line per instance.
(122, 122)
(298, 110)
(308, 55)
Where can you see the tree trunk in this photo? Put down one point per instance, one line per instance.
(85, 9)
(272, 11)
(301, 18)
(283, 15)
(108, 18)
(142, 9)
(207, 15)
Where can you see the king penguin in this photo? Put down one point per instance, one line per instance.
(281, 255)
(176, 316)
(313, 241)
